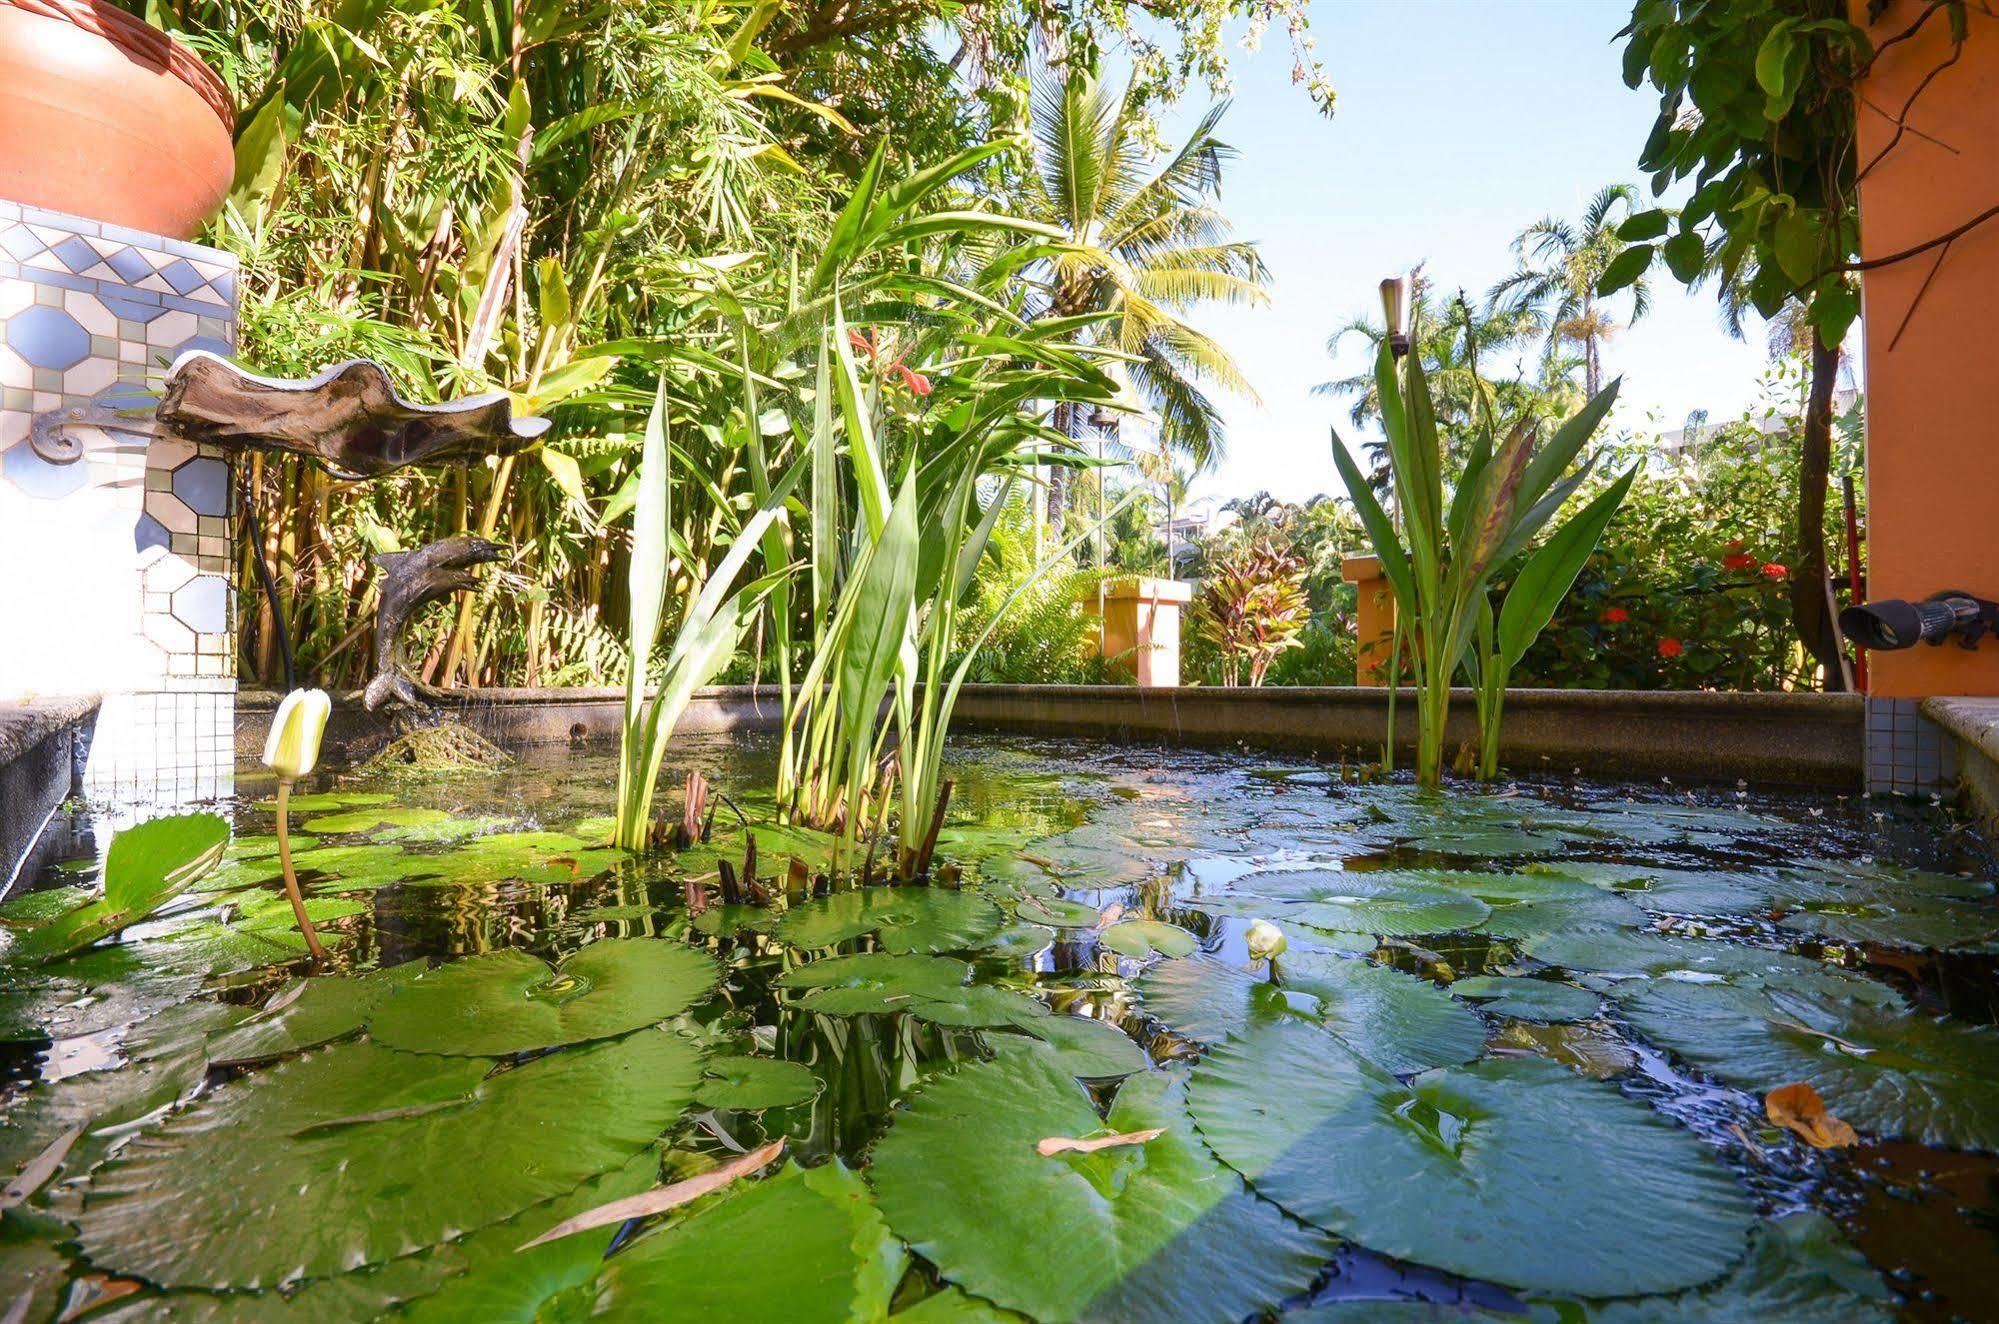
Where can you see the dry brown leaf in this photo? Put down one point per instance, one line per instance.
(1066, 1145)
(87, 1294)
(661, 1200)
(38, 1169)
(1798, 1107)
(1110, 916)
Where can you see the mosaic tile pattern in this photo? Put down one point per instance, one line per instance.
(135, 593)
(1907, 753)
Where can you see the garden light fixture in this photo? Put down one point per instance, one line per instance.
(1894, 623)
(1395, 313)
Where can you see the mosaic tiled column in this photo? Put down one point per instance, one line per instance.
(116, 574)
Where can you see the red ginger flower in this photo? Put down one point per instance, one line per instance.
(1738, 561)
(1671, 647)
(1773, 571)
(1615, 616)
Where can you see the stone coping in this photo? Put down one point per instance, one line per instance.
(1974, 721)
(26, 723)
(1779, 738)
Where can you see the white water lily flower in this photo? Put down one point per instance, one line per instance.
(292, 748)
(1266, 942)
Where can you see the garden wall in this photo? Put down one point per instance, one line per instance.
(1780, 739)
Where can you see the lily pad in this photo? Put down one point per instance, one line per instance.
(1139, 1233)
(1057, 912)
(805, 1247)
(1143, 938)
(1397, 1021)
(1086, 1048)
(306, 1014)
(1019, 940)
(364, 1154)
(931, 988)
(1391, 903)
(1206, 999)
(749, 1083)
(1591, 1050)
(1519, 1172)
(145, 867)
(1890, 1073)
(1798, 1267)
(326, 801)
(905, 919)
(723, 921)
(1629, 960)
(540, 858)
(1529, 999)
(509, 1002)
(380, 820)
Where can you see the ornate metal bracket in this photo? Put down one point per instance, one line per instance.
(51, 435)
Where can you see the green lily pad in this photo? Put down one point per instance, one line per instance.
(1390, 903)
(1139, 1234)
(1926, 923)
(1086, 1048)
(1798, 1267)
(951, 1305)
(1889, 1073)
(380, 819)
(1524, 904)
(42, 906)
(1020, 940)
(326, 801)
(1397, 1021)
(364, 1154)
(1630, 960)
(873, 982)
(369, 1293)
(805, 1247)
(165, 1060)
(931, 988)
(1143, 938)
(306, 1014)
(510, 1002)
(723, 921)
(1057, 912)
(1206, 1000)
(494, 1280)
(355, 868)
(145, 867)
(1529, 999)
(748, 1083)
(1590, 1049)
(905, 919)
(1519, 1172)
(541, 858)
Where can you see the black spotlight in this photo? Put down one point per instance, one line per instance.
(1896, 623)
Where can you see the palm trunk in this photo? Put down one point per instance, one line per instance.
(1809, 610)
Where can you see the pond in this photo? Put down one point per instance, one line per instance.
(1512, 1060)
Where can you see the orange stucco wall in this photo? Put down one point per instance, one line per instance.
(1932, 394)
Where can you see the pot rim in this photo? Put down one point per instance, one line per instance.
(142, 43)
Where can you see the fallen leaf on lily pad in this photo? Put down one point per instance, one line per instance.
(1052, 1145)
(663, 1199)
(1798, 1107)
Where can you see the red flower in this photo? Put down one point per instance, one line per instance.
(1734, 545)
(1615, 616)
(1738, 561)
(915, 381)
(1671, 647)
(1773, 571)
(862, 342)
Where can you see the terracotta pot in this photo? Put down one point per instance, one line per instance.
(106, 117)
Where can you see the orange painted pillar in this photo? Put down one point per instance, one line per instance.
(1142, 628)
(1374, 621)
(1932, 431)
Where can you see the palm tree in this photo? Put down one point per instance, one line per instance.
(1144, 245)
(1560, 265)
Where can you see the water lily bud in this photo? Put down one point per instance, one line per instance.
(1266, 942)
(292, 749)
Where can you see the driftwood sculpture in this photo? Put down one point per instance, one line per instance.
(348, 416)
(411, 580)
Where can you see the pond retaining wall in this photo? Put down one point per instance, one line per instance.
(1781, 739)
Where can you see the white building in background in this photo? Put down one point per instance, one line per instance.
(1684, 442)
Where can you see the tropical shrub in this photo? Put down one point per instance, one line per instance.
(1251, 608)
(1689, 587)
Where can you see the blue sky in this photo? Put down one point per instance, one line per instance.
(1459, 122)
